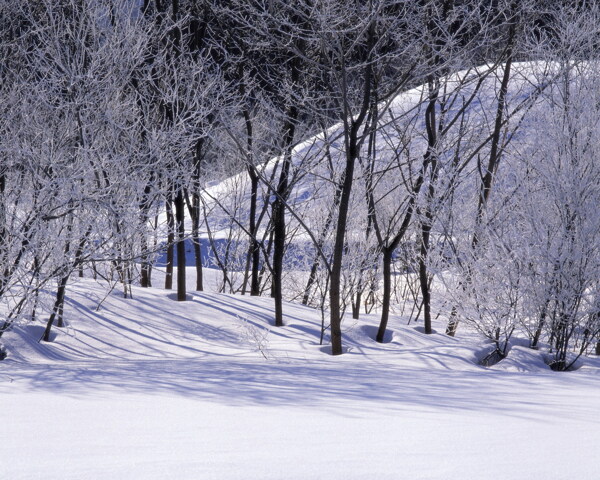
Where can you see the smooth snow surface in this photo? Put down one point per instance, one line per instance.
(207, 389)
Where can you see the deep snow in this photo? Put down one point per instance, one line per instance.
(154, 388)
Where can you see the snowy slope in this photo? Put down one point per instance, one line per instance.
(153, 388)
(318, 162)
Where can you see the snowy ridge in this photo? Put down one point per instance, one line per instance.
(153, 326)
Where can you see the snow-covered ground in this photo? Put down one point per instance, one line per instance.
(206, 389)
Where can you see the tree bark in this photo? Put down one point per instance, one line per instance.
(254, 246)
(279, 226)
(170, 240)
(279, 231)
(145, 271)
(57, 310)
(387, 293)
(424, 278)
(431, 162)
(196, 241)
(180, 217)
(340, 239)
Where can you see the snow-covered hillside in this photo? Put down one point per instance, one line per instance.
(149, 387)
(153, 388)
(399, 145)
(299, 240)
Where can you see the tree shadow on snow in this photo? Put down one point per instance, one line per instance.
(325, 384)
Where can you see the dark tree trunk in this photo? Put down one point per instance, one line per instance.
(170, 240)
(431, 162)
(57, 310)
(196, 241)
(36, 292)
(424, 279)
(340, 240)
(390, 249)
(195, 214)
(495, 152)
(279, 231)
(540, 327)
(279, 226)
(78, 255)
(357, 301)
(144, 206)
(266, 269)
(194, 211)
(2, 211)
(180, 217)
(3, 231)
(253, 257)
(254, 252)
(61, 303)
(387, 293)
(146, 269)
(352, 152)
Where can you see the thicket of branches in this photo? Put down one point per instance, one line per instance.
(424, 158)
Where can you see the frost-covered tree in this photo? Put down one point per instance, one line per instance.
(533, 262)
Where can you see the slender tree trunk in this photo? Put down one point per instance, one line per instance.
(431, 162)
(78, 255)
(36, 293)
(391, 248)
(3, 230)
(2, 207)
(268, 240)
(2, 210)
(254, 246)
(194, 211)
(495, 152)
(387, 293)
(195, 215)
(253, 256)
(452, 323)
(145, 273)
(61, 303)
(196, 241)
(180, 218)
(540, 327)
(352, 152)
(340, 240)
(144, 207)
(279, 226)
(424, 278)
(357, 301)
(57, 310)
(170, 240)
(279, 231)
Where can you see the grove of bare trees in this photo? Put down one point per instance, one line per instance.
(430, 158)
